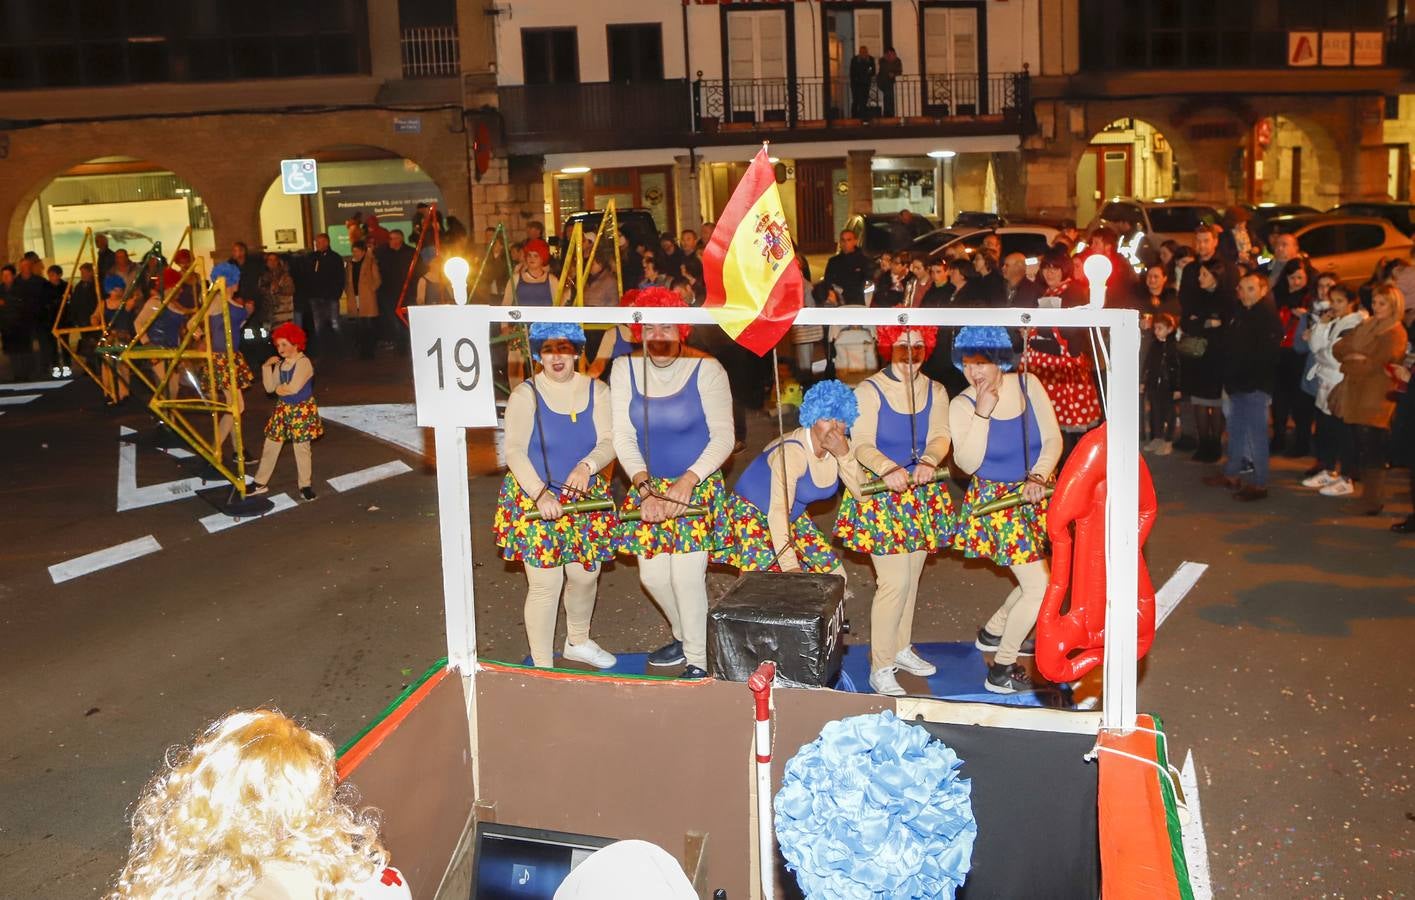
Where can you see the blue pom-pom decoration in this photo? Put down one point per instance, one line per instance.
(991, 341)
(829, 399)
(226, 270)
(545, 331)
(874, 808)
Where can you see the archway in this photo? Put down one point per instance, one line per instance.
(1129, 157)
(135, 202)
(352, 180)
(1287, 160)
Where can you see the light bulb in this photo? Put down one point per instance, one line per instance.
(1097, 268)
(457, 270)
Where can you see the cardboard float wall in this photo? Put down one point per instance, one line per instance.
(415, 766)
(658, 759)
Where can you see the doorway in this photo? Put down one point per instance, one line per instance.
(815, 203)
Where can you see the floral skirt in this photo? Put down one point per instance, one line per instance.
(522, 536)
(244, 377)
(921, 518)
(294, 422)
(748, 545)
(684, 534)
(1010, 537)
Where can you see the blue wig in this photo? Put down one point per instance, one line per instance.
(829, 399)
(113, 283)
(989, 341)
(565, 331)
(230, 271)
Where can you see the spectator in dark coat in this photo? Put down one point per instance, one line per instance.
(1250, 350)
(1018, 290)
(862, 73)
(394, 262)
(319, 285)
(849, 270)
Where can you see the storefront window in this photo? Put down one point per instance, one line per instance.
(899, 189)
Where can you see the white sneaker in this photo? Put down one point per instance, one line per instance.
(1321, 479)
(590, 652)
(913, 663)
(1164, 448)
(1150, 445)
(882, 681)
(1341, 487)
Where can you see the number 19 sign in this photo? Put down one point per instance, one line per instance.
(452, 374)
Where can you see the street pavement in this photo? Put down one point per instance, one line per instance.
(1286, 671)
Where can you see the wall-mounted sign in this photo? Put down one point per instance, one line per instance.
(1336, 48)
(1368, 48)
(299, 176)
(1302, 48)
(408, 124)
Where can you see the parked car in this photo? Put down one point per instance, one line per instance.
(1161, 220)
(885, 233)
(637, 225)
(1350, 246)
(1031, 240)
(1401, 215)
(975, 219)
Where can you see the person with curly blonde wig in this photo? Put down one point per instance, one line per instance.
(254, 810)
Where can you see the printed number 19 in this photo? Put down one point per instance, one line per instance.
(472, 368)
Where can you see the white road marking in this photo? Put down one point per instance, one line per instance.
(220, 521)
(34, 385)
(130, 496)
(177, 452)
(362, 477)
(102, 559)
(17, 399)
(1179, 584)
(1196, 846)
(394, 423)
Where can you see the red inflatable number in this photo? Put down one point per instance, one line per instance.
(1071, 644)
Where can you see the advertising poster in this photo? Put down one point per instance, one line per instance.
(134, 226)
(394, 205)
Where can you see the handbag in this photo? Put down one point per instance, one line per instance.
(1192, 346)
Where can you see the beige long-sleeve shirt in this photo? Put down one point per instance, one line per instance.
(270, 376)
(799, 459)
(716, 400)
(864, 433)
(565, 398)
(970, 431)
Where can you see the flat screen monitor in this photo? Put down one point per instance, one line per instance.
(515, 863)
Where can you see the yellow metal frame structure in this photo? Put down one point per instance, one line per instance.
(575, 256)
(194, 347)
(62, 332)
(499, 235)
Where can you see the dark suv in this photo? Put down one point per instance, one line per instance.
(635, 224)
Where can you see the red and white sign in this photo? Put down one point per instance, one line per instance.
(1368, 48)
(1336, 48)
(1302, 48)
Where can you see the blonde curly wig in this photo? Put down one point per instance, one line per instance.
(255, 788)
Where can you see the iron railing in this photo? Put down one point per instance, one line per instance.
(1400, 45)
(800, 102)
(630, 114)
(431, 52)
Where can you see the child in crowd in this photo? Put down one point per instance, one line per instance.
(290, 377)
(1161, 384)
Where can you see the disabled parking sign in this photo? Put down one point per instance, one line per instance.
(298, 176)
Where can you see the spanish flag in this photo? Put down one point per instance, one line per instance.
(754, 286)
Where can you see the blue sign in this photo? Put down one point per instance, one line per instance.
(298, 176)
(408, 124)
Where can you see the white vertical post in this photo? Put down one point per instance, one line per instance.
(454, 522)
(1122, 526)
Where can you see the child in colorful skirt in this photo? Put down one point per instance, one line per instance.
(216, 379)
(1007, 438)
(290, 377)
(558, 441)
(672, 433)
(902, 437)
(768, 527)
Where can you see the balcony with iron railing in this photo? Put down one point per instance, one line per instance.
(430, 52)
(705, 112)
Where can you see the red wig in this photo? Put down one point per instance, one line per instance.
(659, 298)
(888, 335)
(536, 245)
(289, 332)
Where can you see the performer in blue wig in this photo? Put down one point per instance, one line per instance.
(901, 437)
(1005, 435)
(218, 378)
(768, 526)
(558, 441)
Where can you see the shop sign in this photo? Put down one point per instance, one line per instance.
(1302, 48)
(1368, 48)
(1336, 48)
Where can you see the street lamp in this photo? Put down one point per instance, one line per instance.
(1097, 269)
(457, 270)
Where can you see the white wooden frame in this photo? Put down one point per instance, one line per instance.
(1119, 686)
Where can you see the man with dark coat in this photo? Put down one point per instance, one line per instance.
(849, 270)
(319, 283)
(393, 262)
(862, 75)
(1250, 351)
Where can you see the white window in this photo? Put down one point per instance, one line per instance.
(756, 63)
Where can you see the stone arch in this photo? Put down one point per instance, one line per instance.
(33, 176)
(1152, 148)
(1302, 163)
